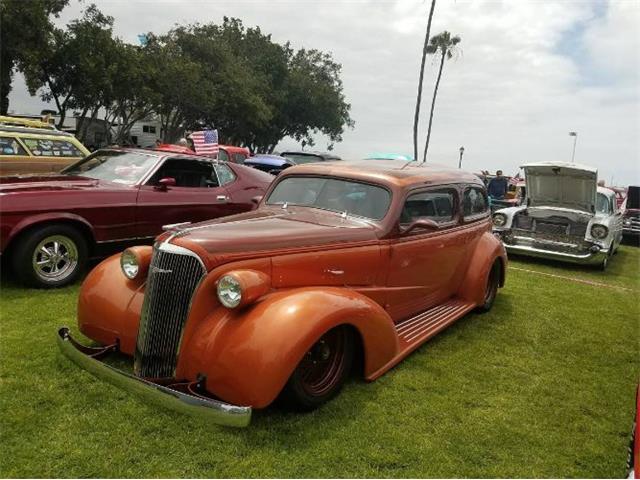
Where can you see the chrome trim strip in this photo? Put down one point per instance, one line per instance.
(178, 250)
(127, 239)
(590, 257)
(209, 410)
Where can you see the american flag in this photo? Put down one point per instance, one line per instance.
(514, 180)
(205, 142)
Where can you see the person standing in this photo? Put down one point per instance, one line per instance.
(498, 186)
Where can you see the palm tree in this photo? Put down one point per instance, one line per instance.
(446, 45)
(419, 98)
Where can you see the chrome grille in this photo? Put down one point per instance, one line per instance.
(173, 276)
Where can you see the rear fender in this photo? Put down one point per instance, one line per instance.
(487, 251)
(248, 355)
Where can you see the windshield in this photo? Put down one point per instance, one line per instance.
(119, 167)
(602, 204)
(300, 159)
(352, 198)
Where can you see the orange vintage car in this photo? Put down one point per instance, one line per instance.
(341, 264)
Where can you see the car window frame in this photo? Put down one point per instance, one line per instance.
(476, 216)
(224, 165)
(145, 181)
(21, 144)
(444, 226)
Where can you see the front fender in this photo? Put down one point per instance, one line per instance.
(248, 355)
(487, 251)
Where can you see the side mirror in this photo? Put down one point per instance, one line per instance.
(257, 199)
(424, 223)
(165, 183)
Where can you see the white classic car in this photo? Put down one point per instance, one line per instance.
(565, 216)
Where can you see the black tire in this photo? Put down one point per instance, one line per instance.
(69, 260)
(308, 388)
(491, 290)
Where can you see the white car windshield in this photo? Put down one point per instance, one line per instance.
(337, 195)
(114, 166)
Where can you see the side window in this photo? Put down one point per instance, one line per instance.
(436, 205)
(222, 155)
(474, 202)
(225, 174)
(239, 158)
(187, 173)
(10, 146)
(41, 147)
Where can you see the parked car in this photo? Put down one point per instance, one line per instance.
(32, 146)
(631, 214)
(300, 158)
(565, 216)
(232, 154)
(361, 263)
(51, 225)
(273, 164)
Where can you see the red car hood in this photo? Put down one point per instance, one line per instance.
(268, 229)
(38, 183)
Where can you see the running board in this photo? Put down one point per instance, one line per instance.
(414, 331)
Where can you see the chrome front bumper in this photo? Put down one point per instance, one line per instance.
(207, 409)
(589, 258)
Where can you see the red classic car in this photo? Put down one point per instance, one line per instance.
(51, 225)
(341, 263)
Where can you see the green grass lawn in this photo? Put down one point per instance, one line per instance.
(542, 386)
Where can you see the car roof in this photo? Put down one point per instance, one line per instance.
(274, 160)
(34, 131)
(159, 153)
(390, 172)
(310, 153)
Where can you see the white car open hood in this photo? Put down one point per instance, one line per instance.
(564, 185)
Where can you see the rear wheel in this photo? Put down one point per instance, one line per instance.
(322, 371)
(491, 290)
(50, 256)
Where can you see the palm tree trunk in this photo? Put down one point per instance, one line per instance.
(419, 96)
(433, 105)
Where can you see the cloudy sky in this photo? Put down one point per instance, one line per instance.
(530, 72)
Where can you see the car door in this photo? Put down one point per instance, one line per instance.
(425, 264)
(196, 196)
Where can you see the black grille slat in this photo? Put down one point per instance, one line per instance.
(172, 280)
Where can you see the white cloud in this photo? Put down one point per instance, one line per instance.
(511, 98)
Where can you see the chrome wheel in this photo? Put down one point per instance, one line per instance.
(55, 258)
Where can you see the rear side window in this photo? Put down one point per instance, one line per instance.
(225, 175)
(474, 202)
(41, 147)
(10, 146)
(239, 158)
(438, 205)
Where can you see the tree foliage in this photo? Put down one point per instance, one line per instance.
(24, 27)
(447, 47)
(237, 79)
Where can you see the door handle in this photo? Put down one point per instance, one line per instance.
(222, 198)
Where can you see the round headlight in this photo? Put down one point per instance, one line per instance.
(129, 264)
(229, 291)
(499, 219)
(599, 231)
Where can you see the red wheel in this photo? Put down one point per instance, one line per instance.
(322, 371)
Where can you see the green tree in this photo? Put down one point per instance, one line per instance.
(25, 27)
(425, 48)
(447, 47)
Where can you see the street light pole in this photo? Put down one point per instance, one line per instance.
(575, 140)
(460, 161)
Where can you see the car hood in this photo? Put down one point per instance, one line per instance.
(37, 183)
(563, 185)
(269, 229)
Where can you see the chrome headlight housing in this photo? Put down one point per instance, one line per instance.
(499, 219)
(229, 291)
(129, 264)
(599, 231)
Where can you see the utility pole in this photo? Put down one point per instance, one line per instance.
(575, 140)
(460, 161)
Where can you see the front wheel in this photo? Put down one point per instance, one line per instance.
(50, 256)
(322, 371)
